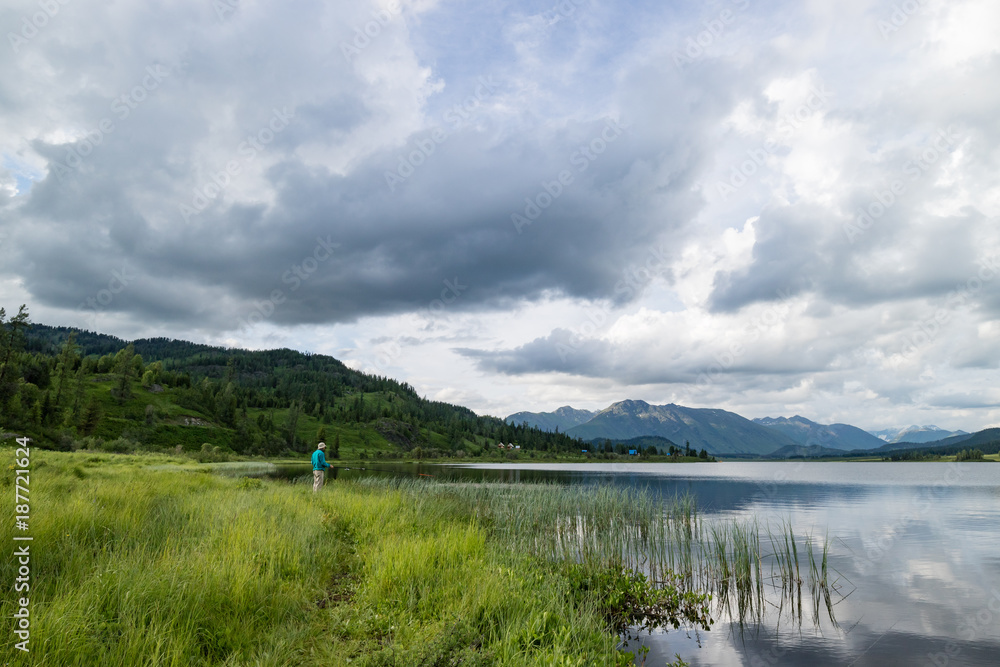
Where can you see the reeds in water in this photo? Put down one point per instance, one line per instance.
(665, 539)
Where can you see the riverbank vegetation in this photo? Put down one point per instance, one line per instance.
(152, 560)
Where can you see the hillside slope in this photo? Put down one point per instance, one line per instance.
(162, 393)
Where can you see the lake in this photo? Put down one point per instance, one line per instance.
(914, 555)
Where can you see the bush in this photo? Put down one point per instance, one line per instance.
(210, 454)
(119, 446)
(631, 603)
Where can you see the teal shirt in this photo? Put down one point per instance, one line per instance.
(319, 460)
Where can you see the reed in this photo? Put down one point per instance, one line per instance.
(631, 529)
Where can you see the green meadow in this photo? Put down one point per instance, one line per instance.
(155, 560)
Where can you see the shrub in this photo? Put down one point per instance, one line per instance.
(210, 454)
(118, 446)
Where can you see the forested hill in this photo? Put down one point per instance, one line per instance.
(276, 377)
(62, 386)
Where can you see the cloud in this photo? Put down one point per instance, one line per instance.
(210, 201)
(799, 208)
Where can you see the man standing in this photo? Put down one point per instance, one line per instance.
(319, 466)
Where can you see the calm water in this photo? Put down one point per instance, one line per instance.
(915, 550)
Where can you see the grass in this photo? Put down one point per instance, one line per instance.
(143, 561)
(667, 541)
(154, 560)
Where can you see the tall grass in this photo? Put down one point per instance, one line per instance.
(133, 566)
(631, 529)
(140, 561)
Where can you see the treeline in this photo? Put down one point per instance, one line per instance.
(59, 384)
(973, 448)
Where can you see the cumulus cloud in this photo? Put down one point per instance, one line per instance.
(764, 208)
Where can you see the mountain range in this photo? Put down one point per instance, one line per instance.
(831, 436)
(929, 433)
(562, 419)
(727, 433)
(718, 431)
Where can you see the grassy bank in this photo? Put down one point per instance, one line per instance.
(140, 560)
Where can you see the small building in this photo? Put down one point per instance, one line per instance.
(632, 452)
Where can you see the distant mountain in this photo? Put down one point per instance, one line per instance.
(988, 440)
(926, 434)
(718, 431)
(915, 434)
(564, 418)
(987, 436)
(886, 434)
(810, 434)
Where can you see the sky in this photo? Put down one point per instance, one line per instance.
(774, 208)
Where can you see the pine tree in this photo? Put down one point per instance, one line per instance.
(10, 339)
(125, 369)
(67, 359)
(78, 394)
(91, 417)
(292, 425)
